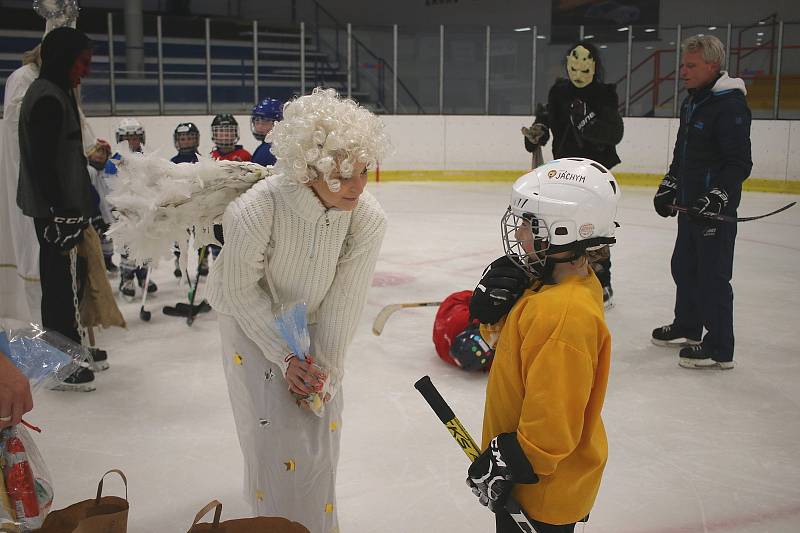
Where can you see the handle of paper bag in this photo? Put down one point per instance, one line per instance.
(217, 513)
(100, 485)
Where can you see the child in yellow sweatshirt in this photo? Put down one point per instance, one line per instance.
(543, 434)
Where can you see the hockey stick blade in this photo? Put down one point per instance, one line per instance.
(428, 390)
(386, 312)
(726, 218)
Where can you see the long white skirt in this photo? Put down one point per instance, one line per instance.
(290, 454)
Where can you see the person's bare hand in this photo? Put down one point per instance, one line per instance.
(303, 377)
(15, 394)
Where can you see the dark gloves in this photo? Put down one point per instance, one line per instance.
(537, 134)
(580, 115)
(501, 286)
(493, 474)
(665, 196)
(65, 230)
(99, 225)
(709, 205)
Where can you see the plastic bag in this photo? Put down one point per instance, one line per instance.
(292, 323)
(26, 493)
(43, 356)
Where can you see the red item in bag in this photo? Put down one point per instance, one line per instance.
(19, 481)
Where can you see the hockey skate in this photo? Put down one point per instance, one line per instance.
(127, 287)
(673, 335)
(141, 276)
(82, 380)
(99, 359)
(696, 356)
(178, 273)
(608, 297)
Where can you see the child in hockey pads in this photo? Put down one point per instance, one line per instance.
(309, 233)
(583, 115)
(265, 114)
(225, 134)
(187, 140)
(542, 431)
(97, 157)
(131, 132)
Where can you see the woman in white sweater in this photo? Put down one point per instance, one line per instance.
(311, 234)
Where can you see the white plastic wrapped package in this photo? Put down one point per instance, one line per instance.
(43, 356)
(26, 493)
(292, 322)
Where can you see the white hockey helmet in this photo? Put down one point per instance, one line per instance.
(565, 205)
(128, 127)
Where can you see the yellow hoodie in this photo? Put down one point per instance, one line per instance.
(547, 383)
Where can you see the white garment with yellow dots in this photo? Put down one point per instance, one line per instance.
(290, 454)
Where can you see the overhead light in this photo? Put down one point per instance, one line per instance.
(648, 47)
(541, 36)
(649, 30)
(700, 34)
(624, 28)
(712, 28)
(758, 43)
(762, 22)
(588, 36)
(672, 43)
(603, 46)
(522, 29)
(760, 33)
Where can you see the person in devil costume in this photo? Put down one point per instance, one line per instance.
(582, 113)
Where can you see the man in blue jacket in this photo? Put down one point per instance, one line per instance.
(710, 161)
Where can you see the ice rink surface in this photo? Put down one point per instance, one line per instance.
(690, 451)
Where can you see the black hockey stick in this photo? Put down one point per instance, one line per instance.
(193, 291)
(726, 218)
(426, 387)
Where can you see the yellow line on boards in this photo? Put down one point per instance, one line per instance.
(624, 178)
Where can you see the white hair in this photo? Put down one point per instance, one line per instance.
(712, 48)
(322, 131)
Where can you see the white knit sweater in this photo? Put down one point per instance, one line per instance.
(278, 234)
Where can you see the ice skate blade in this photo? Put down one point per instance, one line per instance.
(74, 387)
(680, 342)
(705, 364)
(99, 366)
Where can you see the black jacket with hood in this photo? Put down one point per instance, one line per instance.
(713, 144)
(53, 175)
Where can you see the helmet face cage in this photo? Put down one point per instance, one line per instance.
(186, 137)
(526, 240)
(258, 122)
(225, 136)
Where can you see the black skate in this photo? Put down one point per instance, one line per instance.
(178, 273)
(127, 287)
(697, 356)
(182, 309)
(608, 297)
(672, 335)
(99, 359)
(82, 380)
(151, 286)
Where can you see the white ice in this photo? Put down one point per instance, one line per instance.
(690, 451)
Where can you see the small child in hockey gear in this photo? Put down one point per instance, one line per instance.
(187, 139)
(225, 134)
(130, 131)
(263, 118)
(542, 431)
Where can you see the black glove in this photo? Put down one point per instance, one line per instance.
(711, 204)
(99, 225)
(493, 474)
(501, 286)
(537, 134)
(665, 196)
(65, 230)
(580, 115)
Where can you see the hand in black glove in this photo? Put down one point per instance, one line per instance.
(493, 474)
(580, 114)
(665, 196)
(537, 134)
(65, 230)
(502, 284)
(99, 225)
(711, 204)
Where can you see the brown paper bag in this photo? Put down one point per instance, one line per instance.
(103, 514)
(260, 524)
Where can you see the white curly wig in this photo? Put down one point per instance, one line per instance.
(321, 131)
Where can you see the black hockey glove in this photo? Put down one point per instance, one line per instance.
(580, 114)
(99, 225)
(665, 196)
(536, 135)
(65, 230)
(709, 205)
(499, 289)
(495, 472)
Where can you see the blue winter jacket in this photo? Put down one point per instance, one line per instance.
(713, 144)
